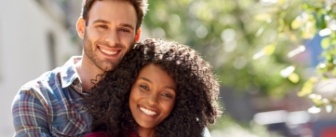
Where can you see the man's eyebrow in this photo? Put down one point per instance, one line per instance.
(122, 24)
(127, 26)
(100, 21)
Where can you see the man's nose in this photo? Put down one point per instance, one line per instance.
(113, 38)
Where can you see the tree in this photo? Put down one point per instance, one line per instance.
(321, 16)
(246, 41)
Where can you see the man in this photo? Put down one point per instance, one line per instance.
(52, 104)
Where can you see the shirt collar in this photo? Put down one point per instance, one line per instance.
(69, 73)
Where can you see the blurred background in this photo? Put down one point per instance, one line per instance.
(274, 58)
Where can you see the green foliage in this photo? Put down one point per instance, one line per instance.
(253, 44)
(322, 15)
(246, 41)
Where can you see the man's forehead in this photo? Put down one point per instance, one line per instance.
(113, 11)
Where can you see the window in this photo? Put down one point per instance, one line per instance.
(51, 49)
(39, 1)
(1, 49)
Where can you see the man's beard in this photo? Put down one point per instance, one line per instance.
(104, 65)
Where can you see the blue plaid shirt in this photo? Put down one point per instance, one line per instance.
(52, 105)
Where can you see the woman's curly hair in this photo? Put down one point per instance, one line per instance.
(196, 94)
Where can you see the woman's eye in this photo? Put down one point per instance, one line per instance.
(167, 95)
(144, 87)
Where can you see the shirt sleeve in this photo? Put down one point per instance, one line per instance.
(206, 132)
(30, 115)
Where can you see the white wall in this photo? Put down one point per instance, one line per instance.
(24, 26)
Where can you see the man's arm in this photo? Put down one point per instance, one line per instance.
(29, 115)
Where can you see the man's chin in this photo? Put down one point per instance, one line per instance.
(109, 67)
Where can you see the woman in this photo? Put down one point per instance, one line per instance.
(161, 88)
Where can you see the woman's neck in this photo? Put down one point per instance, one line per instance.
(143, 132)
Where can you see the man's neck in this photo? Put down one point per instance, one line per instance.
(88, 74)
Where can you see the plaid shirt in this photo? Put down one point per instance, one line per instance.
(52, 105)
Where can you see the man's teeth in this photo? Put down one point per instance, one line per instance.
(147, 111)
(109, 52)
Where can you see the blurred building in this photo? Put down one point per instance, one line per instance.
(35, 36)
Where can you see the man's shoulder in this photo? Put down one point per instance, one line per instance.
(40, 87)
(44, 78)
(53, 77)
(49, 86)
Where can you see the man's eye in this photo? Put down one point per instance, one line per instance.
(124, 30)
(103, 26)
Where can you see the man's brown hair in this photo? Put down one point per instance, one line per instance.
(140, 7)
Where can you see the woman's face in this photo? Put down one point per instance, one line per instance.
(152, 97)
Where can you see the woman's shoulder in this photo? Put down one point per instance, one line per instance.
(96, 134)
(103, 134)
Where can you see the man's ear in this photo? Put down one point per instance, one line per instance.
(80, 27)
(138, 35)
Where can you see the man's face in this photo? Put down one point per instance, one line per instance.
(109, 34)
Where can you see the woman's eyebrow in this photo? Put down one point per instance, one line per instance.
(146, 79)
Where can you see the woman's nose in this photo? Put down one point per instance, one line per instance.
(152, 99)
